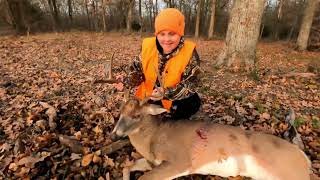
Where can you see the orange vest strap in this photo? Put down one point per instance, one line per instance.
(172, 70)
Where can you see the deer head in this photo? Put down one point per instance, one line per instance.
(132, 113)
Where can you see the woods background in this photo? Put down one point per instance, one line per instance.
(281, 19)
(56, 123)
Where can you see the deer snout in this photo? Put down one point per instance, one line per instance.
(118, 130)
(114, 137)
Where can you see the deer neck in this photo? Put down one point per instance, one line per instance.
(142, 136)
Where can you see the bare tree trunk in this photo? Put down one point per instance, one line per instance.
(150, 14)
(129, 17)
(278, 19)
(211, 26)
(17, 13)
(48, 7)
(70, 12)
(196, 34)
(242, 35)
(95, 17)
(156, 9)
(7, 14)
(56, 12)
(304, 32)
(88, 14)
(140, 18)
(103, 14)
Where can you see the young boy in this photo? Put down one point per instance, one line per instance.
(178, 63)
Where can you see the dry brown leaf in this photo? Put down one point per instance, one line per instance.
(41, 124)
(29, 161)
(86, 160)
(5, 147)
(265, 116)
(29, 119)
(240, 110)
(52, 113)
(108, 161)
(74, 144)
(13, 166)
(98, 130)
(2, 92)
(107, 176)
(75, 156)
(96, 159)
(78, 135)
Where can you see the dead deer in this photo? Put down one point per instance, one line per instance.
(182, 148)
(179, 148)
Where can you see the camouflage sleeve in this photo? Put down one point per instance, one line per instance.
(135, 74)
(189, 80)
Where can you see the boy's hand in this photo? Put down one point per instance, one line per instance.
(157, 94)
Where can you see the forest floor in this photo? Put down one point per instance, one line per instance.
(54, 121)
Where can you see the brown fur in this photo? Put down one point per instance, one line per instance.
(181, 147)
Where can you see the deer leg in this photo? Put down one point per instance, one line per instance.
(165, 171)
(139, 165)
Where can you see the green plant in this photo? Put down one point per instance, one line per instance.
(259, 107)
(315, 123)
(298, 122)
(254, 75)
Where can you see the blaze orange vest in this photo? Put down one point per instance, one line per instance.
(172, 72)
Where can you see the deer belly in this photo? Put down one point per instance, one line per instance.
(233, 166)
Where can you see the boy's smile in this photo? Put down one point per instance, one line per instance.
(168, 40)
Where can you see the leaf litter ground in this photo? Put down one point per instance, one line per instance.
(55, 121)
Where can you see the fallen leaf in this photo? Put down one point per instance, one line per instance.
(97, 130)
(74, 144)
(52, 113)
(30, 161)
(5, 147)
(78, 135)
(108, 161)
(75, 156)
(265, 116)
(13, 166)
(86, 160)
(119, 86)
(96, 159)
(29, 119)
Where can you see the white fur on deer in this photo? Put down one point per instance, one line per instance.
(192, 147)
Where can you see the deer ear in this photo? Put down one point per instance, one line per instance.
(153, 109)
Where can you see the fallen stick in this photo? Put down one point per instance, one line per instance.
(305, 75)
(115, 146)
(109, 81)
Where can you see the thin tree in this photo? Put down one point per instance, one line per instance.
(17, 15)
(129, 16)
(212, 18)
(55, 12)
(103, 15)
(88, 14)
(278, 19)
(140, 18)
(304, 32)
(70, 12)
(239, 50)
(196, 34)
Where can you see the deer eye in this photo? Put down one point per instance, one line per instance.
(135, 116)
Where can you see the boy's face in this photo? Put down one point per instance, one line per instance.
(168, 40)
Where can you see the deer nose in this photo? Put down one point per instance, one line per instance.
(114, 137)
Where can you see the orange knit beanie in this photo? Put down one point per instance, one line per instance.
(170, 19)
